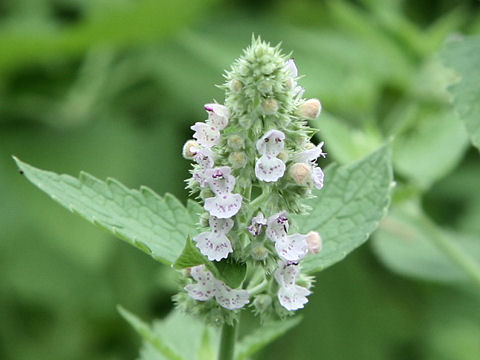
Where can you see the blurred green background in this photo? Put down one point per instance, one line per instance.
(112, 86)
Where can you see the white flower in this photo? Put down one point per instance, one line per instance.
(269, 168)
(206, 135)
(271, 143)
(224, 204)
(214, 244)
(217, 115)
(291, 248)
(205, 158)
(257, 223)
(310, 156)
(290, 295)
(292, 70)
(208, 287)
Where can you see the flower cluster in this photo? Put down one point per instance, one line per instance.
(254, 164)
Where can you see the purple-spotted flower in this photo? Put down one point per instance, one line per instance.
(290, 295)
(207, 287)
(310, 156)
(258, 222)
(269, 168)
(206, 135)
(214, 244)
(224, 204)
(291, 248)
(206, 159)
(217, 115)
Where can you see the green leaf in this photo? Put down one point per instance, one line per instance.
(464, 57)
(232, 273)
(187, 338)
(147, 334)
(229, 271)
(349, 207)
(263, 336)
(407, 244)
(156, 225)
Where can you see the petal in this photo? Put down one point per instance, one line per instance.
(269, 169)
(272, 143)
(206, 135)
(220, 226)
(200, 273)
(317, 177)
(291, 68)
(310, 155)
(286, 274)
(277, 226)
(231, 299)
(223, 206)
(293, 297)
(214, 247)
(200, 292)
(204, 157)
(220, 180)
(217, 115)
(292, 247)
(257, 223)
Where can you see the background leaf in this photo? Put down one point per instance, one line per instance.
(349, 207)
(464, 57)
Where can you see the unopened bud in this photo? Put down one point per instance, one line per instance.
(237, 159)
(310, 109)
(270, 106)
(314, 242)
(188, 149)
(206, 193)
(310, 146)
(235, 85)
(265, 86)
(236, 142)
(301, 173)
(283, 155)
(262, 302)
(259, 252)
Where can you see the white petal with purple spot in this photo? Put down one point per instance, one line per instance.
(223, 206)
(231, 299)
(269, 168)
(206, 135)
(292, 247)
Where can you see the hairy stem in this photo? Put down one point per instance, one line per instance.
(227, 341)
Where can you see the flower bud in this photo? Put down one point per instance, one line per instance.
(188, 149)
(236, 142)
(206, 193)
(265, 86)
(235, 85)
(259, 252)
(314, 242)
(283, 155)
(262, 302)
(237, 159)
(301, 173)
(270, 106)
(310, 109)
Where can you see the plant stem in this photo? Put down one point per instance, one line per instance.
(227, 341)
(452, 250)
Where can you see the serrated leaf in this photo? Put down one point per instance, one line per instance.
(191, 256)
(404, 244)
(464, 57)
(263, 336)
(156, 225)
(349, 207)
(147, 334)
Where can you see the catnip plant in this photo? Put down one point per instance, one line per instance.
(252, 238)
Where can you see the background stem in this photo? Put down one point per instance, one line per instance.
(227, 341)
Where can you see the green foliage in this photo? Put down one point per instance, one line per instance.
(464, 57)
(155, 225)
(262, 336)
(349, 208)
